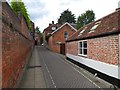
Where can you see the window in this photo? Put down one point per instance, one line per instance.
(81, 32)
(95, 26)
(65, 34)
(82, 48)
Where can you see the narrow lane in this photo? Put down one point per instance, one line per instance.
(60, 74)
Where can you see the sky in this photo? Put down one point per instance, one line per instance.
(43, 12)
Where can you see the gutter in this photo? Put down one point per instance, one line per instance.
(96, 36)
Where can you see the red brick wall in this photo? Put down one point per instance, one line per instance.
(104, 49)
(15, 47)
(53, 47)
(72, 47)
(59, 37)
(24, 29)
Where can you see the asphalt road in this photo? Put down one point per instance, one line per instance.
(60, 74)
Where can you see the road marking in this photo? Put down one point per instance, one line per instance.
(67, 62)
(49, 73)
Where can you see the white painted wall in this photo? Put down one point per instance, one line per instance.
(108, 69)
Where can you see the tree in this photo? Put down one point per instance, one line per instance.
(19, 7)
(85, 18)
(47, 37)
(66, 16)
(37, 30)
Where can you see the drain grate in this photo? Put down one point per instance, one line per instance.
(29, 67)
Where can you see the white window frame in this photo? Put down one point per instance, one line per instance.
(82, 31)
(82, 48)
(95, 26)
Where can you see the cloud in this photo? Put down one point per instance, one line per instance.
(119, 4)
(36, 9)
(43, 12)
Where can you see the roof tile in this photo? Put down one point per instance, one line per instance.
(108, 24)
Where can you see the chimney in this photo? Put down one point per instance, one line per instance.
(118, 6)
(52, 22)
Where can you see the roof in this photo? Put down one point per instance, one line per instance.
(107, 25)
(49, 27)
(63, 26)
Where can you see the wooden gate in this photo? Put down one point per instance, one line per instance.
(62, 48)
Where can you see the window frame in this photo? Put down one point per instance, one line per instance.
(82, 31)
(83, 48)
(65, 34)
(93, 28)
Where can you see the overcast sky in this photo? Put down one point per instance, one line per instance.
(43, 12)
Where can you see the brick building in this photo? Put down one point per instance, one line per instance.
(51, 28)
(37, 38)
(17, 44)
(96, 47)
(33, 28)
(58, 37)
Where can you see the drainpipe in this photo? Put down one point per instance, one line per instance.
(119, 57)
(119, 47)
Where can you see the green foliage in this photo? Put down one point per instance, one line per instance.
(19, 7)
(37, 30)
(66, 16)
(41, 40)
(85, 18)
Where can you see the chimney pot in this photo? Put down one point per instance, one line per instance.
(52, 22)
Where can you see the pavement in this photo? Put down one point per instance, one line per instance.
(33, 76)
(51, 70)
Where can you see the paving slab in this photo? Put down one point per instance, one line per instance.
(33, 76)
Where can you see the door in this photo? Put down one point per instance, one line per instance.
(62, 48)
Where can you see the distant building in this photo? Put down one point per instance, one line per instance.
(33, 28)
(51, 28)
(59, 36)
(37, 38)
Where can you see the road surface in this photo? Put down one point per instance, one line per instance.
(58, 73)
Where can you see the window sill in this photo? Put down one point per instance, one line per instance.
(82, 55)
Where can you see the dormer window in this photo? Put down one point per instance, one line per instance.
(95, 26)
(81, 32)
